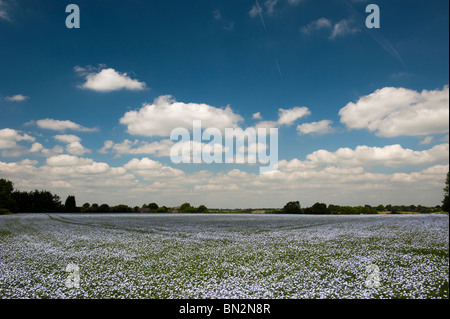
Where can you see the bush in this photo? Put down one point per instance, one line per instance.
(4, 211)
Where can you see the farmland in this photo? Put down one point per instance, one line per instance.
(223, 256)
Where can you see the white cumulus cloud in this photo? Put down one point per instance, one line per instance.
(10, 137)
(57, 125)
(391, 112)
(390, 156)
(289, 116)
(151, 170)
(285, 117)
(108, 79)
(158, 148)
(165, 114)
(321, 127)
(73, 146)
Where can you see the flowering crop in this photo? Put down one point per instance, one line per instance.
(223, 256)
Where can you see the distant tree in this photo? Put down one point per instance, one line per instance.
(162, 209)
(103, 208)
(318, 208)
(367, 209)
(423, 210)
(186, 208)
(37, 202)
(380, 208)
(445, 202)
(70, 206)
(292, 208)
(333, 209)
(22, 201)
(44, 201)
(202, 209)
(85, 208)
(6, 191)
(136, 209)
(153, 207)
(120, 209)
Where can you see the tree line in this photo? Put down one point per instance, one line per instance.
(323, 209)
(41, 201)
(36, 201)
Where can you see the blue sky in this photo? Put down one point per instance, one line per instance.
(376, 130)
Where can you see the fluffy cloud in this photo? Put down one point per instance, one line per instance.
(343, 28)
(321, 127)
(4, 11)
(67, 138)
(391, 156)
(285, 117)
(68, 160)
(57, 125)
(108, 80)
(255, 10)
(268, 7)
(257, 116)
(40, 150)
(16, 98)
(151, 170)
(426, 140)
(64, 168)
(73, 146)
(165, 114)
(10, 137)
(159, 148)
(10, 146)
(339, 29)
(322, 23)
(391, 112)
